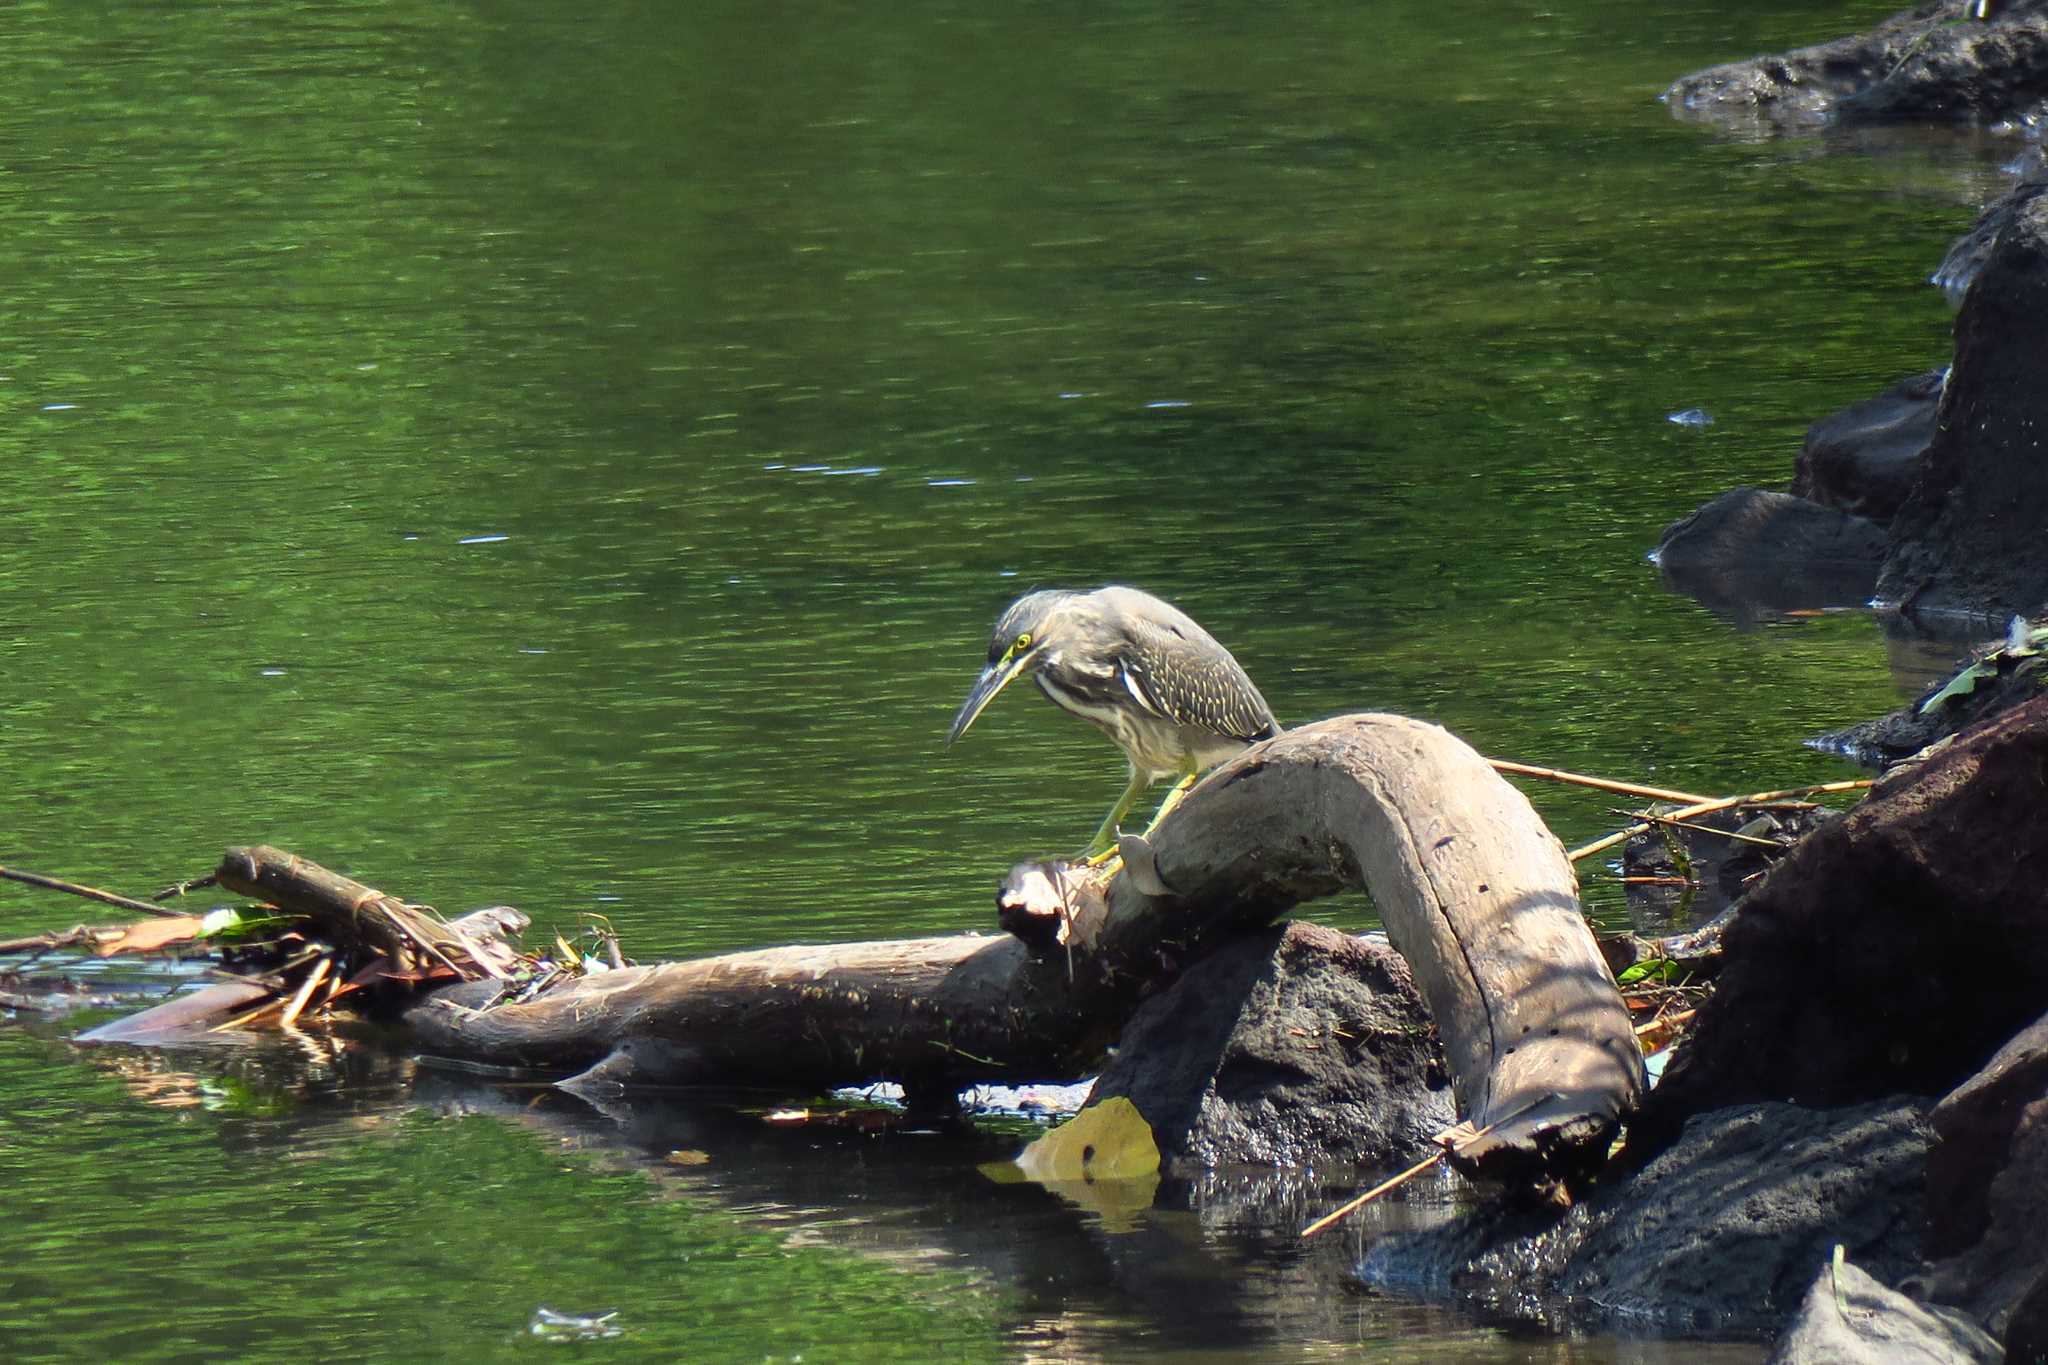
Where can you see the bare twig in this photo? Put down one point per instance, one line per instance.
(77, 935)
(1602, 783)
(1672, 822)
(1376, 1191)
(1721, 803)
(179, 889)
(257, 1013)
(1663, 1020)
(15, 874)
(305, 992)
(1450, 1147)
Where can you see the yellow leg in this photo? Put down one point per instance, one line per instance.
(1103, 846)
(1173, 797)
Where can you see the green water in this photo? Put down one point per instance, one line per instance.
(574, 460)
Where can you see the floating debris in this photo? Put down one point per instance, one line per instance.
(310, 939)
(1692, 417)
(550, 1325)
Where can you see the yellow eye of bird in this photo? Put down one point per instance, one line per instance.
(1023, 642)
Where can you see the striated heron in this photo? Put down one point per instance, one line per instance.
(1138, 669)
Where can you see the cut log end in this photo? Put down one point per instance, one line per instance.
(1051, 904)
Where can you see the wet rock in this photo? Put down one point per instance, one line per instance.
(1751, 546)
(1848, 1318)
(1864, 458)
(1757, 530)
(1987, 1183)
(2026, 1333)
(1721, 1231)
(1718, 1235)
(1968, 538)
(1892, 950)
(1958, 269)
(1294, 1045)
(1919, 64)
(1991, 681)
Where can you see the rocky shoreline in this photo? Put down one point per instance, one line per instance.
(1849, 1154)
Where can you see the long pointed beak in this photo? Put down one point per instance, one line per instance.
(993, 679)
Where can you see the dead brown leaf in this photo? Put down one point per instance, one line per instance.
(151, 935)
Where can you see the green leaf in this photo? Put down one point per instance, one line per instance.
(231, 924)
(1652, 969)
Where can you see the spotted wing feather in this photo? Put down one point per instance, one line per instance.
(1176, 670)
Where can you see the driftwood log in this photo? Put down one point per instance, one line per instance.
(1474, 891)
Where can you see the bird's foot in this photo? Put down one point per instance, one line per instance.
(1098, 858)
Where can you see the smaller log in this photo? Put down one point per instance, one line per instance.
(349, 913)
(182, 1018)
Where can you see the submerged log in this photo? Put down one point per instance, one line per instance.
(1474, 891)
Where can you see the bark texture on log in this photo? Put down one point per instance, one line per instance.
(929, 1012)
(1475, 892)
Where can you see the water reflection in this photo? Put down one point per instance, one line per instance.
(1212, 1267)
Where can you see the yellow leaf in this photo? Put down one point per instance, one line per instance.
(1106, 1141)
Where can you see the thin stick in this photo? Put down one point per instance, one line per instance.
(1663, 1020)
(1450, 1146)
(305, 992)
(1604, 784)
(1675, 823)
(262, 1009)
(1722, 803)
(1376, 1191)
(14, 874)
(268, 1005)
(43, 943)
(181, 888)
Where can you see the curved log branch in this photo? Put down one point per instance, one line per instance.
(1475, 893)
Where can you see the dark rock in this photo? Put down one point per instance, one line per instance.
(1297, 1044)
(1720, 1232)
(1864, 458)
(2026, 1332)
(1987, 1183)
(2000, 681)
(1891, 951)
(1718, 1235)
(1969, 537)
(1919, 64)
(1958, 269)
(1974, 1127)
(1751, 547)
(1754, 529)
(1848, 1318)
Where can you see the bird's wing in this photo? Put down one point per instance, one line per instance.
(1177, 671)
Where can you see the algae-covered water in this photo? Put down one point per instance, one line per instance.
(573, 459)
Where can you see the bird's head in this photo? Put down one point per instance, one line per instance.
(1030, 628)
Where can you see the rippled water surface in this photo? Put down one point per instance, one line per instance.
(574, 459)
